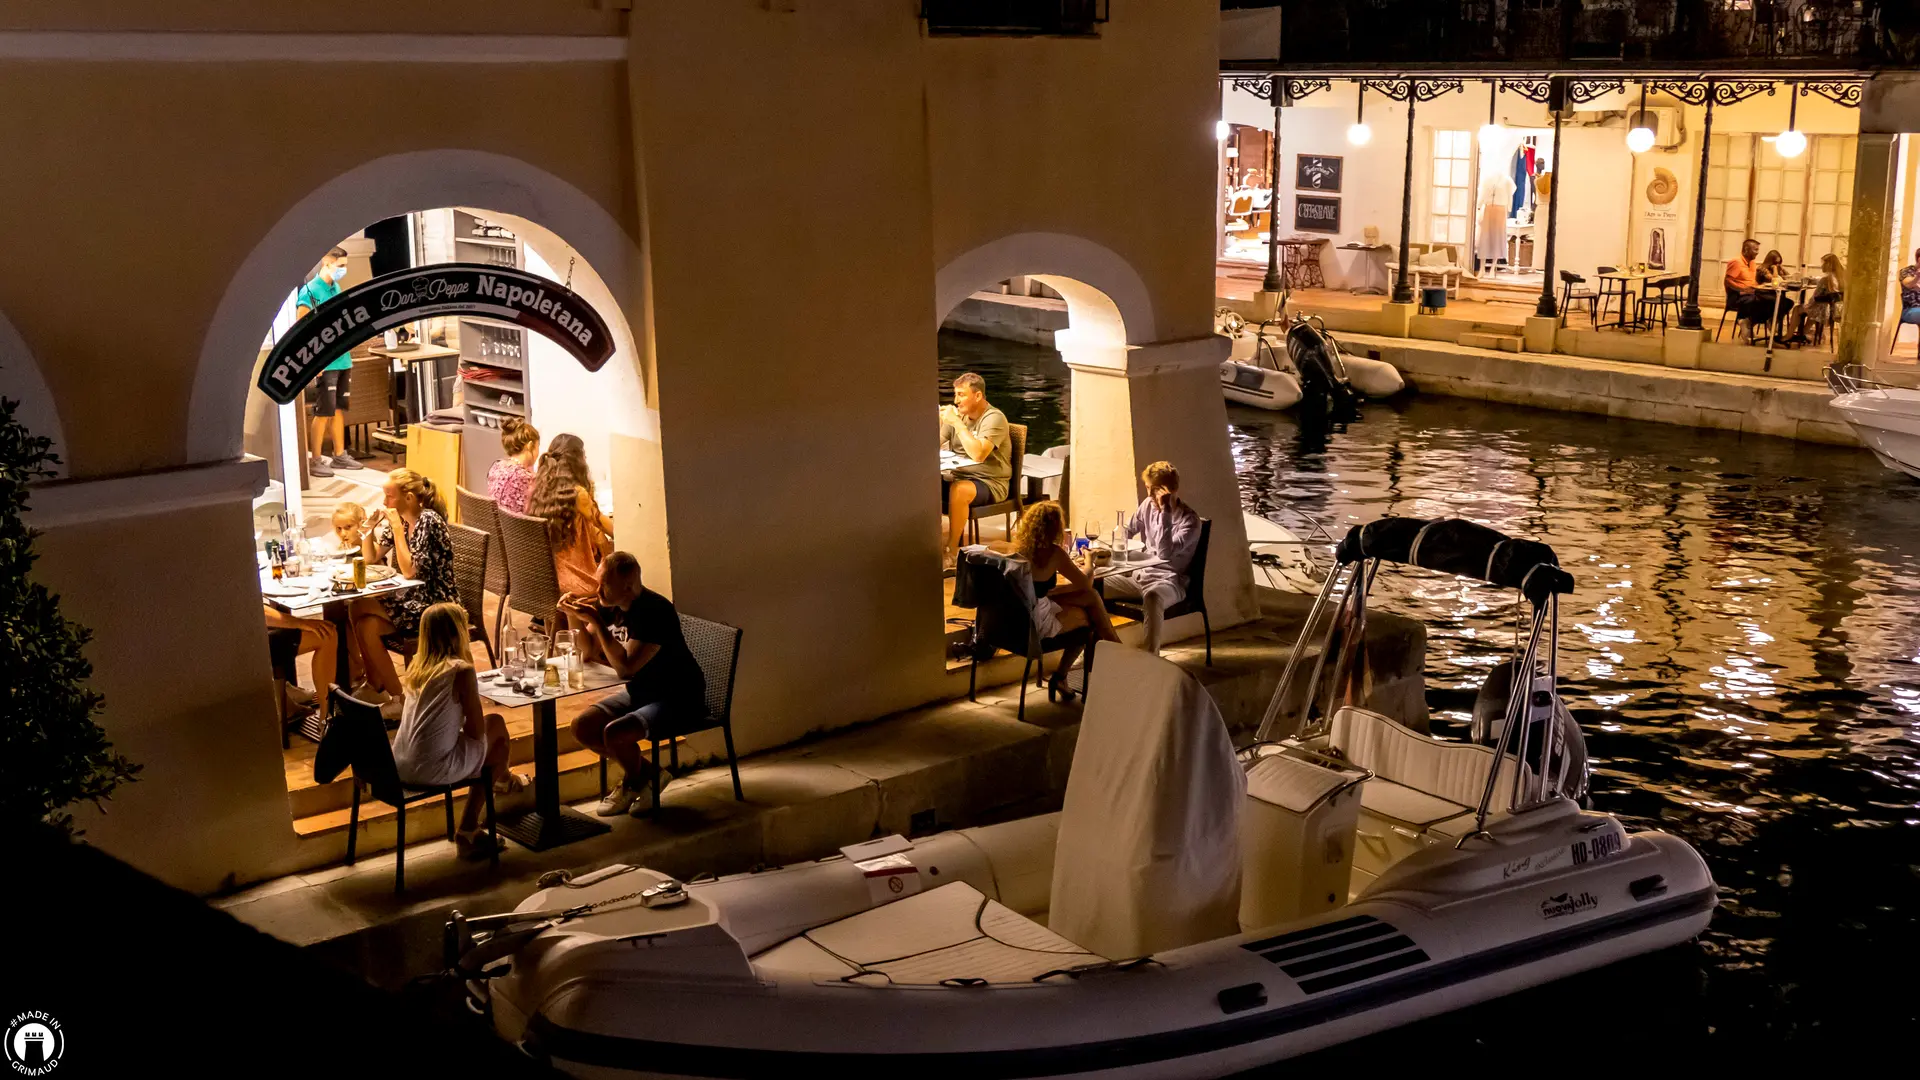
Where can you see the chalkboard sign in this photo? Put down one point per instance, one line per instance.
(1317, 172)
(1316, 213)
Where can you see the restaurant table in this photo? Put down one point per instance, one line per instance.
(950, 461)
(1376, 258)
(1037, 470)
(333, 607)
(548, 824)
(1637, 280)
(1780, 289)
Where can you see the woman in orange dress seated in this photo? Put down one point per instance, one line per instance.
(579, 532)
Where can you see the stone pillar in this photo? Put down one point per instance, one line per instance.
(179, 651)
(1156, 402)
(1870, 254)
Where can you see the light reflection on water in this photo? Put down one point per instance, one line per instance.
(1742, 650)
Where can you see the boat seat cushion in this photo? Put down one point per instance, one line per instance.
(1406, 806)
(953, 932)
(1453, 771)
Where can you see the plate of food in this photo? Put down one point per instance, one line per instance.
(375, 572)
(280, 590)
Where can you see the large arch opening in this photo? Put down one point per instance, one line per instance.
(21, 382)
(438, 407)
(1024, 312)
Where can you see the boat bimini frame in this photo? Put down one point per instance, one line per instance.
(1465, 549)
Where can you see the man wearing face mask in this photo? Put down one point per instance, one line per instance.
(330, 390)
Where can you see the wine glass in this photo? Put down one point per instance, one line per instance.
(534, 648)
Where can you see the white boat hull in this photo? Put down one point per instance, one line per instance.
(1286, 565)
(1443, 930)
(1888, 422)
(1262, 388)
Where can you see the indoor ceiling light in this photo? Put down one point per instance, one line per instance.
(1790, 143)
(1360, 133)
(1640, 139)
(1491, 129)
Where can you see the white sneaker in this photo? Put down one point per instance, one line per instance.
(616, 802)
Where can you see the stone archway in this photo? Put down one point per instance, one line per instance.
(385, 187)
(1107, 302)
(20, 380)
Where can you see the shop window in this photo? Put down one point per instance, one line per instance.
(1800, 207)
(1452, 206)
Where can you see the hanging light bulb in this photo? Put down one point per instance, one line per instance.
(1491, 129)
(1359, 134)
(1221, 129)
(1790, 143)
(1640, 139)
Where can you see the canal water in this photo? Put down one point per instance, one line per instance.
(1743, 651)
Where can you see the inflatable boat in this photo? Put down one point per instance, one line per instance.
(1191, 911)
(1285, 556)
(1255, 373)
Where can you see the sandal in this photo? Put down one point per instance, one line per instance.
(512, 785)
(1057, 688)
(477, 846)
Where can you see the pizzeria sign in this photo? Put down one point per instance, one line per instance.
(374, 307)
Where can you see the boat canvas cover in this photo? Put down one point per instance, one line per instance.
(1461, 547)
(1149, 851)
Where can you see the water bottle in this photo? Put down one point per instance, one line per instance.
(510, 651)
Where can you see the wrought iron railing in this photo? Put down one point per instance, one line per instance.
(1801, 33)
(1066, 18)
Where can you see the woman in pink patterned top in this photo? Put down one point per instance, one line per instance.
(510, 480)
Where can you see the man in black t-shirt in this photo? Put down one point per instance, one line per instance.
(639, 631)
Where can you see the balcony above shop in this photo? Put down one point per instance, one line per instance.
(1014, 18)
(1801, 34)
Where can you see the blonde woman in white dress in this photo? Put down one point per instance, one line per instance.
(445, 737)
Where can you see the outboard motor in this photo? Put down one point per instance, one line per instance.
(1323, 377)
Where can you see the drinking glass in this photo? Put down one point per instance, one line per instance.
(534, 648)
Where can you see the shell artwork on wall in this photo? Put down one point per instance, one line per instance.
(1663, 188)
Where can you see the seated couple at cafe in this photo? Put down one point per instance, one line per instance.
(1170, 532)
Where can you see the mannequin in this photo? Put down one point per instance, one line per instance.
(1490, 238)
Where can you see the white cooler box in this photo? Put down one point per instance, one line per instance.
(1297, 833)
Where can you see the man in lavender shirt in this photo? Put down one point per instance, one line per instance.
(1171, 530)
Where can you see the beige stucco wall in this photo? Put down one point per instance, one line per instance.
(792, 184)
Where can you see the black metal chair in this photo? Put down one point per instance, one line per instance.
(1610, 289)
(716, 648)
(283, 651)
(470, 556)
(1570, 296)
(357, 739)
(1196, 598)
(536, 585)
(1012, 504)
(1657, 296)
(483, 513)
(1004, 620)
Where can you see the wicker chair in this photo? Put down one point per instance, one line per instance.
(469, 578)
(1010, 505)
(483, 513)
(536, 588)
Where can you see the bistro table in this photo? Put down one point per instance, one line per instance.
(296, 594)
(1376, 256)
(1780, 289)
(950, 461)
(1038, 470)
(548, 824)
(1634, 281)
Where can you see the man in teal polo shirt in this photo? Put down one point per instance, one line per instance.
(331, 388)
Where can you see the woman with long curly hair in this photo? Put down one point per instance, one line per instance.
(410, 535)
(1059, 608)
